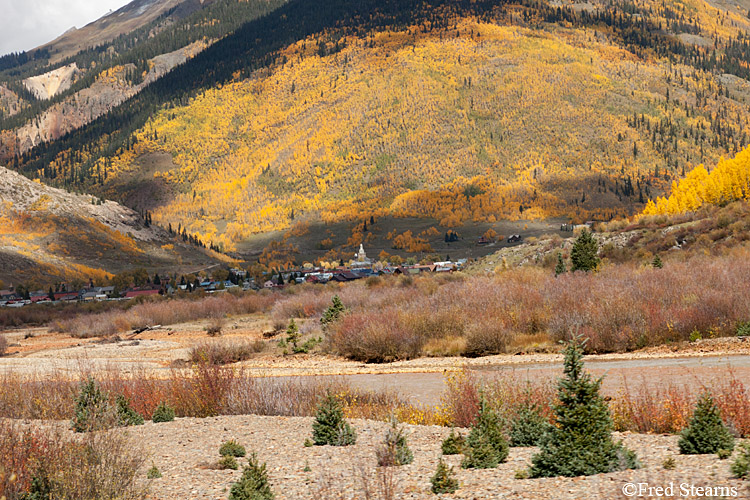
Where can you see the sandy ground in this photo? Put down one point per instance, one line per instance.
(183, 449)
(37, 350)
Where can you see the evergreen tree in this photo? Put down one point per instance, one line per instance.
(453, 444)
(706, 432)
(126, 415)
(92, 408)
(657, 263)
(443, 480)
(394, 450)
(584, 256)
(529, 427)
(253, 485)
(580, 443)
(333, 313)
(330, 427)
(486, 446)
(292, 334)
(560, 267)
(163, 413)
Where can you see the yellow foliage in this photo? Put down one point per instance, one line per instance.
(729, 181)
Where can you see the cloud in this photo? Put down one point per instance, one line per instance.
(27, 24)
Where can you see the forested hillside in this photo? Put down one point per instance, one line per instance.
(455, 111)
(48, 235)
(136, 54)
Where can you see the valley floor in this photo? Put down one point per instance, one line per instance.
(184, 450)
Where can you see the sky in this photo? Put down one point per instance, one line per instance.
(26, 24)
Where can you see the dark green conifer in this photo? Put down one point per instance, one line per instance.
(443, 480)
(706, 432)
(580, 443)
(584, 255)
(253, 485)
(486, 446)
(125, 414)
(333, 313)
(529, 427)
(330, 427)
(560, 267)
(92, 408)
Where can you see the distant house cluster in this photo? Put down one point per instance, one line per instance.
(360, 267)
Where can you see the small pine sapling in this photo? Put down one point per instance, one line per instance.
(741, 466)
(232, 449)
(453, 444)
(163, 413)
(333, 313)
(706, 433)
(253, 485)
(394, 450)
(92, 410)
(330, 427)
(126, 415)
(529, 427)
(444, 481)
(580, 443)
(486, 446)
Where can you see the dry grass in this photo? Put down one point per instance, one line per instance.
(643, 408)
(97, 465)
(224, 353)
(202, 391)
(649, 408)
(3, 345)
(165, 312)
(624, 307)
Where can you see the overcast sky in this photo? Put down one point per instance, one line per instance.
(25, 24)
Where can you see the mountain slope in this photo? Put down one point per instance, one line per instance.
(450, 110)
(154, 37)
(48, 234)
(132, 16)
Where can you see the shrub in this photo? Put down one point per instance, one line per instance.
(486, 446)
(529, 427)
(330, 427)
(224, 353)
(669, 463)
(453, 444)
(394, 450)
(227, 462)
(92, 411)
(153, 473)
(580, 443)
(487, 339)
(163, 413)
(232, 449)
(743, 329)
(3, 345)
(100, 465)
(521, 474)
(741, 465)
(723, 454)
(706, 432)
(443, 481)
(376, 336)
(126, 415)
(253, 485)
